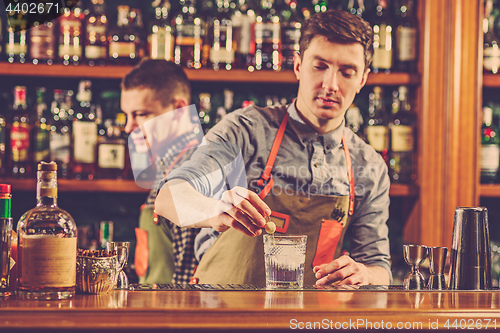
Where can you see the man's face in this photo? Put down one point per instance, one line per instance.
(140, 105)
(330, 75)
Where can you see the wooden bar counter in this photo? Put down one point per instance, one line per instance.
(176, 310)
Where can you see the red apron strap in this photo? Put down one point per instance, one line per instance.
(350, 174)
(265, 182)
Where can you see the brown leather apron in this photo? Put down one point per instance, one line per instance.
(235, 258)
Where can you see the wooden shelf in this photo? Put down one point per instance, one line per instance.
(489, 190)
(129, 186)
(491, 80)
(204, 75)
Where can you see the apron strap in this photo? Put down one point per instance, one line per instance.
(265, 182)
(350, 175)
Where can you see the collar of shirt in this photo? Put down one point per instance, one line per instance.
(307, 134)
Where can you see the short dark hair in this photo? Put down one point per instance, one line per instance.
(165, 78)
(338, 26)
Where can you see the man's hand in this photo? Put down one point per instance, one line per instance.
(345, 270)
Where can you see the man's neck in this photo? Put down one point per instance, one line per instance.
(320, 126)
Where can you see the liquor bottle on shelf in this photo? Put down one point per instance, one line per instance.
(290, 32)
(491, 50)
(354, 120)
(84, 134)
(205, 111)
(356, 7)
(161, 36)
(207, 14)
(376, 129)
(42, 47)
(406, 37)
(222, 52)
(3, 144)
(383, 32)
(16, 44)
(20, 165)
(402, 133)
(96, 34)
(6, 236)
(60, 134)
(320, 6)
(40, 134)
(70, 36)
(490, 150)
(136, 21)
(267, 37)
(189, 36)
(242, 19)
(123, 42)
(112, 153)
(47, 241)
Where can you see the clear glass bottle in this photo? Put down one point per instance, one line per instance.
(406, 37)
(402, 133)
(160, 38)
(40, 134)
(383, 38)
(96, 34)
(242, 19)
(42, 48)
(84, 134)
(222, 52)
(47, 241)
(16, 43)
(377, 132)
(267, 31)
(490, 150)
(188, 36)
(123, 40)
(60, 134)
(70, 36)
(20, 135)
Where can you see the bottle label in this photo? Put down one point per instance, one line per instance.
(16, 48)
(42, 148)
(48, 261)
(99, 30)
(121, 49)
(95, 52)
(161, 44)
(402, 138)
(189, 34)
(19, 141)
(42, 42)
(70, 50)
(382, 55)
(222, 55)
(490, 157)
(491, 58)
(407, 41)
(85, 134)
(111, 156)
(377, 137)
(60, 147)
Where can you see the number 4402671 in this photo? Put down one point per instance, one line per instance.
(471, 324)
(34, 8)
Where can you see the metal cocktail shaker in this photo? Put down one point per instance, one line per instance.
(470, 250)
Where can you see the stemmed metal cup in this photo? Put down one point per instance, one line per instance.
(414, 256)
(122, 250)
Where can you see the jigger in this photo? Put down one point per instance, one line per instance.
(437, 260)
(470, 250)
(414, 256)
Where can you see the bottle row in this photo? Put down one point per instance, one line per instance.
(218, 34)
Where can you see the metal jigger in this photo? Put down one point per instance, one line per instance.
(414, 256)
(437, 260)
(470, 250)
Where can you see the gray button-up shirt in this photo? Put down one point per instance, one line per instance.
(307, 162)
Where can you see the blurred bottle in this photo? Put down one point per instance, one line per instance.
(2, 36)
(70, 36)
(16, 43)
(136, 20)
(20, 164)
(490, 151)
(377, 132)
(356, 7)
(222, 51)
(406, 36)
(491, 50)
(96, 34)
(41, 130)
(4, 133)
(290, 32)
(84, 134)
(242, 19)
(42, 48)
(402, 133)
(188, 36)
(105, 233)
(123, 42)
(354, 120)
(320, 6)
(205, 111)
(267, 32)
(112, 153)
(383, 32)
(60, 134)
(161, 39)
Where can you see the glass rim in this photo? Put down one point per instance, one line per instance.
(281, 236)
